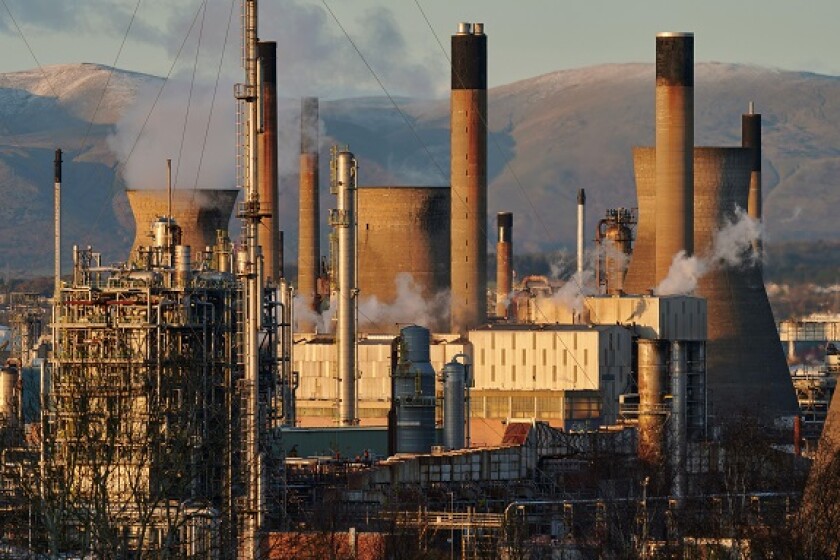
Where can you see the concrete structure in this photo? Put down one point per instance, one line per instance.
(309, 240)
(199, 213)
(674, 143)
(469, 177)
(267, 146)
(504, 263)
(403, 230)
(516, 361)
(745, 359)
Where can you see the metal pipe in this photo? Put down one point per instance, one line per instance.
(581, 206)
(674, 149)
(344, 220)
(677, 432)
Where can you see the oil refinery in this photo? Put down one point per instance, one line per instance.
(195, 402)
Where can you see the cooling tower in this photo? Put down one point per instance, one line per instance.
(504, 263)
(403, 230)
(674, 143)
(199, 212)
(309, 245)
(468, 124)
(267, 176)
(746, 369)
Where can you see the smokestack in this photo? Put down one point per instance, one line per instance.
(468, 129)
(344, 220)
(270, 240)
(309, 244)
(651, 379)
(674, 148)
(504, 263)
(581, 200)
(751, 138)
(57, 210)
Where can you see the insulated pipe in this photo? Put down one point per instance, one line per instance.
(751, 138)
(677, 431)
(270, 240)
(344, 220)
(468, 129)
(309, 248)
(581, 216)
(674, 148)
(651, 373)
(504, 263)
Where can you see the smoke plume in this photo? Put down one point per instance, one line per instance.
(731, 247)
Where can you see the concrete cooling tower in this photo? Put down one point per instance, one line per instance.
(199, 212)
(746, 369)
(403, 230)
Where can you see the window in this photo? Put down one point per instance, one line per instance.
(503, 356)
(482, 356)
(493, 373)
(524, 357)
(545, 354)
(513, 373)
(554, 373)
(585, 357)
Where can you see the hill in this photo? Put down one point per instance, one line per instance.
(550, 135)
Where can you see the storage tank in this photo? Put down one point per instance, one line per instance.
(403, 230)
(454, 393)
(746, 368)
(199, 212)
(414, 392)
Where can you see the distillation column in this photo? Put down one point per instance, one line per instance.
(469, 177)
(344, 220)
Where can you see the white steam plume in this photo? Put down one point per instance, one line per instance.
(731, 247)
(410, 307)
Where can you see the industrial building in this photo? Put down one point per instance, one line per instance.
(182, 413)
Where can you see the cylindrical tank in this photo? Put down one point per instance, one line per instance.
(183, 265)
(309, 237)
(414, 392)
(651, 380)
(344, 220)
(454, 386)
(674, 148)
(199, 213)
(468, 135)
(403, 230)
(504, 264)
(8, 395)
(267, 176)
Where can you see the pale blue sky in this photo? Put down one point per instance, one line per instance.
(526, 37)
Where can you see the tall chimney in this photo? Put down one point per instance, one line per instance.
(468, 122)
(267, 176)
(57, 223)
(751, 138)
(309, 244)
(674, 148)
(504, 263)
(581, 217)
(344, 220)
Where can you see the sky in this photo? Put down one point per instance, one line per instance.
(526, 37)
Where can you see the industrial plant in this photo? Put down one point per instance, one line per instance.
(193, 401)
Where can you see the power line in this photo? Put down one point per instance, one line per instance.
(189, 96)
